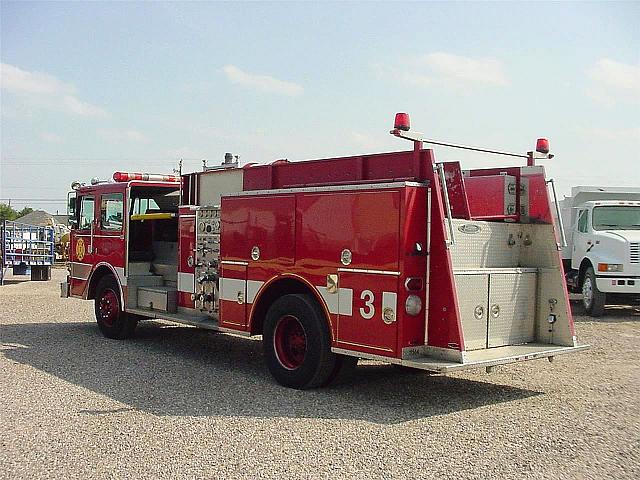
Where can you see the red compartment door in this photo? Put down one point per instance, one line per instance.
(363, 300)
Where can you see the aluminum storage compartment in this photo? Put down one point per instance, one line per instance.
(157, 298)
(497, 307)
(472, 301)
(512, 311)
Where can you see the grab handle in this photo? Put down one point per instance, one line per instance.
(563, 238)
(447, 205)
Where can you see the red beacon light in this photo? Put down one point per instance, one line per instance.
(149, 177)
(402, 122)
(542, 146)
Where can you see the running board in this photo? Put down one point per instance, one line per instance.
(200, 321)
(476, 359)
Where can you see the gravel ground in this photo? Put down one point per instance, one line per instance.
(177, 402)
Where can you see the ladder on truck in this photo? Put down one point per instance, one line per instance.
(26, 247)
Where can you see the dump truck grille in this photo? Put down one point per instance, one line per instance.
(634, 252)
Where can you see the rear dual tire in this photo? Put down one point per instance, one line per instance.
(297, 344)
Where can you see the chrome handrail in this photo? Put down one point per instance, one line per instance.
(451, 240)
(563, 238)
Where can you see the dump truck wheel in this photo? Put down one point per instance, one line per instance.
(297, 343)
(593, 299)
(112, 320)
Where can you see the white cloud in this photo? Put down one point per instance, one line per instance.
(127, 135)
(446, 69)
(368, 142)
(51, 137)
(632, 133)
(614, 82)
(449, 67)
(45, 91)
(263, 83)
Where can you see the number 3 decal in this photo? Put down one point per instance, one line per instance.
(367, 296)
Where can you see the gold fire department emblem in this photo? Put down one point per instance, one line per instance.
(80, 250)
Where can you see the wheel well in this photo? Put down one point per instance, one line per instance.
(100, 272)
(586, 263)
(275, 290)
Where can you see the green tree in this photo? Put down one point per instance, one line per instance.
(7, 213)
(24, 211)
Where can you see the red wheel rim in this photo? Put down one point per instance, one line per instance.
(290, 342)
(108, 307)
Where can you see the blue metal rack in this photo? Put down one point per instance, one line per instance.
(26, 248)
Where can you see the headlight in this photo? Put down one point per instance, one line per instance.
(413, 305)
(610, 267)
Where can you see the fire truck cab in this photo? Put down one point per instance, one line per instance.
(386, 256)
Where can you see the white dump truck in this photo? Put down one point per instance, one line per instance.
(602, 252)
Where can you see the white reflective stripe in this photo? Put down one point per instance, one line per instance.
(121, 275)
(389, 300)
(345, 305)
(81, 271)
(253, 286)
(338, 303)
(185, 282)
(229, 288)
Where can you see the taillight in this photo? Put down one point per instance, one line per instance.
(413, 305)
(413, 284)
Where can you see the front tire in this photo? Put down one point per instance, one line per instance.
(297, 343)
(593, 299)
(113, 322)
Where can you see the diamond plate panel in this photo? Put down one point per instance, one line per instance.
(472, 293)
(511, 309)
(485, 244)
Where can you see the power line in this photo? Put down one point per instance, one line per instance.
(12, 199)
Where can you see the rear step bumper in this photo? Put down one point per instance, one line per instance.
(478, 358)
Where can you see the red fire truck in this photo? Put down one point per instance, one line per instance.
(389, 256)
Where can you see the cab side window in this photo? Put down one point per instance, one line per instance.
(111, 212)
(583, 217)
(86, 212)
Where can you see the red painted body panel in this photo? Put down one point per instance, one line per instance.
(539, 201)
(486, 196)
(363, 328)
(233, 313)
(364, 222)
(263, 221)
(335, 171)
(186, 247)
(413, 223)
(456, 189)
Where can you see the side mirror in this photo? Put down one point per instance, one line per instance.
(71, 210)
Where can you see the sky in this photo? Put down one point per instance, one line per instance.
(88, 88)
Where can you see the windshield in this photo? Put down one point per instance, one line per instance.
(616, 218)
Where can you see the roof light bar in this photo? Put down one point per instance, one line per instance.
(150, 177)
